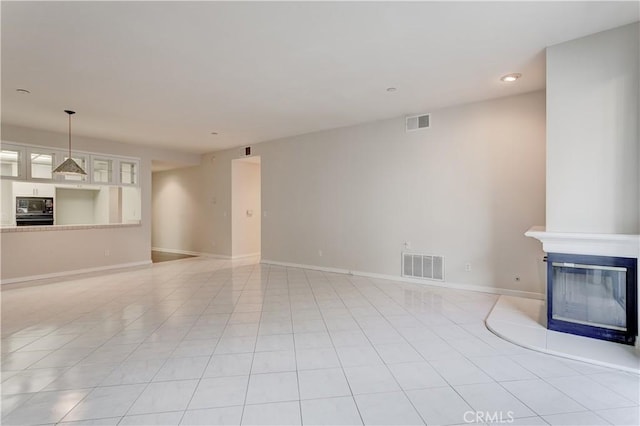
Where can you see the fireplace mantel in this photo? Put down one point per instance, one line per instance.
(618, 245)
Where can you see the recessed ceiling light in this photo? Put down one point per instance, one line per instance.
(23, 91)
(510, 78)
(391, 89)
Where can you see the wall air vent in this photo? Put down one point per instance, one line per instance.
(417, 122)
(415, 265)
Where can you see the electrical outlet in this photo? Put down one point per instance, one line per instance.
(107, 252)
(467, 267)
(320, 253)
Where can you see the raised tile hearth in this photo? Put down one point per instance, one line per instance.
(524, 322)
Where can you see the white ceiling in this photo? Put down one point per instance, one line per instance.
(167, 74)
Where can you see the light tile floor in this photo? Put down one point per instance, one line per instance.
(202, 341)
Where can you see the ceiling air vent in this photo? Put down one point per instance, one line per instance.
(423, 266)
(417, 122)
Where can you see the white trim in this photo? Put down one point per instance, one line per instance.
(303, 266)
(192, 253)
(245, 256)
(618, 245)
(177, 251)
(75, 272)
(215, 256)
(445, 284)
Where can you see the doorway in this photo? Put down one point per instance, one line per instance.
(246, 207)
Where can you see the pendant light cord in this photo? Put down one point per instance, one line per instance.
(69, 135)
(70, 114)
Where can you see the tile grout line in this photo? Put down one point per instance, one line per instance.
(383, 300)
(151, 381)
(344, 374)
(253, 354)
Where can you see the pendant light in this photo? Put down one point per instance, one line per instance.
(69, 167)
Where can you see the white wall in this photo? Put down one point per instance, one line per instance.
(31, 254)
(26, 254)
(245, 207)
(468, 189)
(177, 209)
(593, 155)
(214, 232)
(76, 206)
(207, 226)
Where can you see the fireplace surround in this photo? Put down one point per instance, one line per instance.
(598, 261)
(593, 296)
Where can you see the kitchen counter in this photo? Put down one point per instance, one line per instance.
(6, 229)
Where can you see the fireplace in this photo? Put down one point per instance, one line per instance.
(593, 296)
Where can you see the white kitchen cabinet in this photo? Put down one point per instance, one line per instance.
(128, 172)
(36, 164)
(31, 189)
(7, 204)
(41, 163)
(12, 160)
(109, 194)
(102, 170)
(131, 205)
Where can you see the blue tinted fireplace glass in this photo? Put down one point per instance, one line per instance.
(593, 296)
(589, 294)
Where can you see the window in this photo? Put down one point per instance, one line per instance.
(128, 172)
(102, 170)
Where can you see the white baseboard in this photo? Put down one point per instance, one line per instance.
(176, 251)
(191, 253)
(75, 272)
(303, 266)
(245, 256)
(200, 253)
(445, 284)
(225, 257)
(216, 256)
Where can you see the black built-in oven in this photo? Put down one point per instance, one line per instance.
(31, 211)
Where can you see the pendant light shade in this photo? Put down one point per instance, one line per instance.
(69, 166)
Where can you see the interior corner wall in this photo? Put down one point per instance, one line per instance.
(467, 188)
(176, 198)
(593, 130)
(192, 207)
